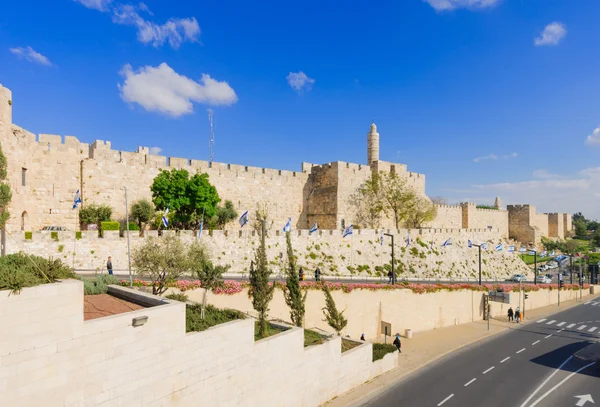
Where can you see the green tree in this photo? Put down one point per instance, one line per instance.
(368, 203)
(398, 198)
(421, 212)
(571, 246)
(593, 225)
(210, 276)
(581, 230)
(5, 193)
(596, 238)
(162, 260)
(190, 198)
(92, 213)
(579, 217)
(225, 214)
(260, 289)
(142, 212)
(333, 317)
(292, 293)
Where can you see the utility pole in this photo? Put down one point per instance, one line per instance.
(571, 267)
(393, 273)
(128, 244)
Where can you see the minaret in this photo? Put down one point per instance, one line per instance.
(372, 145)
(498, 203)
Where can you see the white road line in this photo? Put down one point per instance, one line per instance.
(469, 382)
(581, 327)
(546, 337)
(504, 360)
(560, 383)
(594, 303)
(519, 351)
(589, 302)
(561, 324)
(490, 369)
(592, 329)
(535, 342)
(446, 399)
(546, 381)
(541, 320)
(551, 322)
(560, 330)
(571, 325)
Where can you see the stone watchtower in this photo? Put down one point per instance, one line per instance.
(497, 203)
(372, 145)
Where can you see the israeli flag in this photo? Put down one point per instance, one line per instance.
(348, 231)
(552, 253)
(469, 243)
(200, 231)
(511, 249)
(532, 252)
(313, 229)
(523, 250)
(408, 240)
(484, 246)
(164, 218)
(543, 254)
(76, 200)
(447, 243)
(243, 219)
(381, 239)
(288, 226)
(499, 247)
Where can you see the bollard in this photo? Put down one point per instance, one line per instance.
(408, 334)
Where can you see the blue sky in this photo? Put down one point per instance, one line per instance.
(486, 97)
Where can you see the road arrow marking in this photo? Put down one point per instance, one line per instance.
(584, 399)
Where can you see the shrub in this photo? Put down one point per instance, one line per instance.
(133, 226)
(61, 247)
(212, 316)
(178, 297)
(28, 235)
(109, 225)
(18, 271)
(380, 350)
(99, 284)
(78, 235)
(54, 235)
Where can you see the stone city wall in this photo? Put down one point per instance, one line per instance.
(50, 357)
(404, 309)
(448, 216)
(358, 254)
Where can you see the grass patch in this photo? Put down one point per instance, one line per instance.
(212, 316)
(312, 338)
(271, 330)
(347, 345)
(529, 259)
(380, 350)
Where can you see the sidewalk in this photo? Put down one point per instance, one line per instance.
(427, 347)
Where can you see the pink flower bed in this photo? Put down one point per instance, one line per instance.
(235, 287)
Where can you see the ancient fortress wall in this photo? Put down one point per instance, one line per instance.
(448, 216)
(51, 357)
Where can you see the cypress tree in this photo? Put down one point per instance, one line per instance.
(333, 318)
(5, 194)
(260, 290)
(292, 293)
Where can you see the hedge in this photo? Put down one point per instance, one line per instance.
(78, 235)
(18, 271)
(133, 226)
(28, 235)
(110, 226)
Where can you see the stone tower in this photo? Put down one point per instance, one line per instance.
(498, 203)
(5, 113)
(372, 145)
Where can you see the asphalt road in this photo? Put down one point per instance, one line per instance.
(530, 365)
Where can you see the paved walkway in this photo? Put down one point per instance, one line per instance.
(426, 347)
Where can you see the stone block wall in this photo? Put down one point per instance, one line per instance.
(63, 361)
(448, 216)
(556, 226)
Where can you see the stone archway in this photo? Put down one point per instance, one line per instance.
(23, 220)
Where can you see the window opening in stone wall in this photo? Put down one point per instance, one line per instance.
(23, 220)
(23, 176)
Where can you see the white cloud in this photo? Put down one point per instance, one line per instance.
(485, 158)
(594, 138)
(552, 34)
(509, 156)
(100, 5)
(161, 89)
(544, 174)
(299, 81)
(175, 31)
(31, 55)
(445, 5)
(155, 150)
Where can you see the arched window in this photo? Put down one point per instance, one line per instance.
(23, 220)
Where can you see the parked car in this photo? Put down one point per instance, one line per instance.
(552, 264)
(543, 280)
(55, 228)
(518, 277)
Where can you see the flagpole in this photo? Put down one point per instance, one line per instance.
(75, 236)
(128, 244)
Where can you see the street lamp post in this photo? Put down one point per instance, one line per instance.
(128, 244)
(534, 265)
(571, 267)
(393, 274)
(479, 247)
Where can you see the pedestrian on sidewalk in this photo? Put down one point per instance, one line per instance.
(510, 314)
(397, 343)
(518, 315)
(109, 265)
(301, 274)
(362, 337)
(318, 275)
(390, 277)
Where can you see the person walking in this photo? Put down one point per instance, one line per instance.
(518, 315)
(390, 275)
(362, 337)
(397, 343)
(318, 275)
(109, 265)
(510, 314)
(301, 274)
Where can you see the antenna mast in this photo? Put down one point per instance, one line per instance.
(212, 136)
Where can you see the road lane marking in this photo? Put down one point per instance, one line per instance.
(571, 325)
(551, 322)
(490, 369)
(469, 382)
(561, 324)
(543, 396)
(594, 303)
(546, 337)
(546, 381)
(535, 342)
(541, 320)
(592, 329)
(589, 302)
(581, 327)
(446, 399)
(504, 360)
(519, 351)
